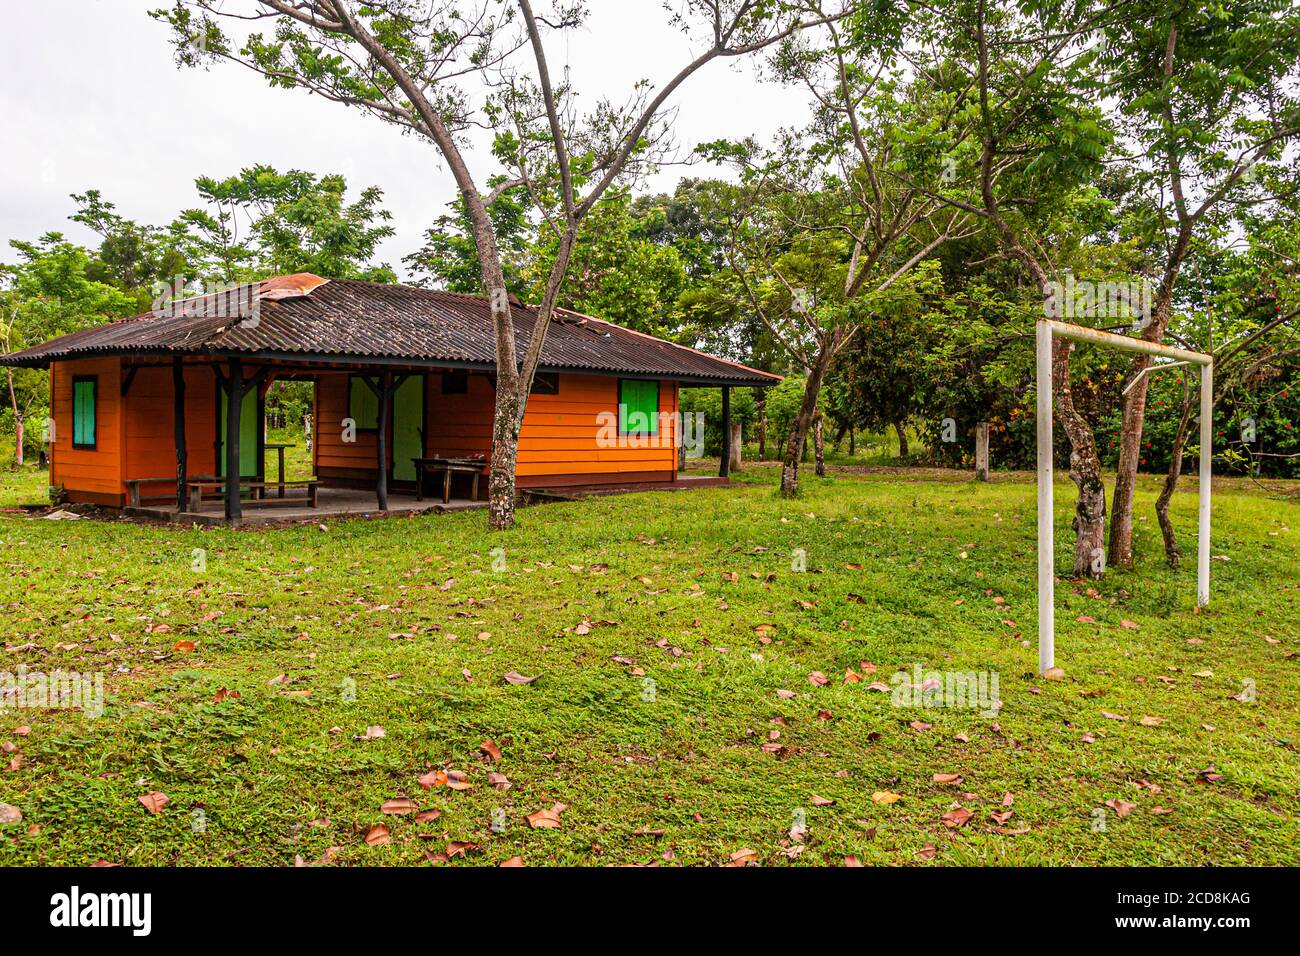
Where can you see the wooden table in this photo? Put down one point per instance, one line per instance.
(279, 447)
(448, 467)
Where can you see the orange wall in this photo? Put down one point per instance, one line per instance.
(560, 432)
(150, 442)
(559, 435)
(88, 475)
(334, 456)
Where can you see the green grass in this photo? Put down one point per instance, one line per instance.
(367, 604)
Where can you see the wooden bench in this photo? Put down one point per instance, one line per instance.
(447, 467)
(196, 488)
(134, 497)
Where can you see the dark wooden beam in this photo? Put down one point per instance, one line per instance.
(130, 377)
(724, 467)
(234, 402)
(178, 420)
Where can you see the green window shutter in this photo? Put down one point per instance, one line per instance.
(638, 407)
(83, 413)
(363, 404)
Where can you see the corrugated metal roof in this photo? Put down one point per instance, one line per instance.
(347, 321)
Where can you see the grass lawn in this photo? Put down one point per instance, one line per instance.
(662, 630)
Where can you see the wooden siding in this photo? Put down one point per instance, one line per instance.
(86, 474)
(148, 417)
(334, 456)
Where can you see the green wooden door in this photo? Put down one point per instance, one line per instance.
(408, 427)
(250, 433)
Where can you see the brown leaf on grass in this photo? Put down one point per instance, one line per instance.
(880, 686)
(458, 780)
(434, 778)
(22, 731)
(459, 848)
(399, 805)
(185, 646)
(765, 630)
(1002, 817)
(785, 694)
(818, 801)
(959, 817)
(919, 725)
(1149, 721)
(1120, 807)
(730, 576)
(1008, 798)
(516, 678)
(1109, 716)
(817, 679)
(224, 694)
(1088, 738)
(1160, 811)
(743, 857)
(491, 749)
(851, 676)
(961, 738)
(498, 780)
(1125, 622)
(852, 860)
(546, 818)
(373, 732)
(426, 816)
(1085, 619)
(513, 861)
(154, 801)
(927, 852)
(9, 814)
(377, 834)
(885, 797)
(951, 779)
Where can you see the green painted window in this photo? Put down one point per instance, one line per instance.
(83, 412)
(363, 404)
(638, 407)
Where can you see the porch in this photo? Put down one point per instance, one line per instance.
(331, 502)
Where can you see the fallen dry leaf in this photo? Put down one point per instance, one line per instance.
(516, 678)
(377, 834)
(185, 646)
(399, 805)
(546, 818)
(434, 778)
(885, 797)
(743, 857)
(947, 778)
(154, 801)
(1120, 807)
(513, 861)
(491, 749)
(956, 818)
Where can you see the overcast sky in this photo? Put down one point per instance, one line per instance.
(90, 97)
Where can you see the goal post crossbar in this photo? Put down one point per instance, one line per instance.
(1046, 331)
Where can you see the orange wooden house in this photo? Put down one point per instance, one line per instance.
(166, 408)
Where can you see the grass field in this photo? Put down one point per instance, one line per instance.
(677, 712)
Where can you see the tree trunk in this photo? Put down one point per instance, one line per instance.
(819, 446)
(1085, 471)
(762, 430)
(852, 450)
(18, 418)
(901, 429)
(1172, 553)
(804, 419)
(505, 455)
(737, 446)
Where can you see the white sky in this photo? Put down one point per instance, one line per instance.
(90, 97)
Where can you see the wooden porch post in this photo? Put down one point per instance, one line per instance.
(724, 467)
(178, 418)
(234, 402)
(381, 485)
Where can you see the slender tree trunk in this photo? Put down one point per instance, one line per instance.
(901, 428)
(1085, 471)
(18, 418)
(762, 429)
(819, 445)
(804, 419)
(1172, 552)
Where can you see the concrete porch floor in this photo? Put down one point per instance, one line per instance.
(331, 503)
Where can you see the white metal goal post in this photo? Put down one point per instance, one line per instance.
(1047, 330)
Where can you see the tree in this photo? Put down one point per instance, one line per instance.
(411, 63)
(1209, 96)
(49, 292)
(824, 224)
